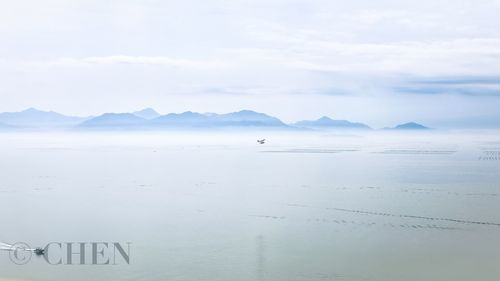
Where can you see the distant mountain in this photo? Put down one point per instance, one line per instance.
(244, 118)
(114, 121)
(328, 123)
(410, 126)
(248, 118)
(5, 126)
(147, 113)
(148, 118)
(34, 118)
(185, 120)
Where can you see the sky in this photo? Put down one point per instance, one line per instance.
(378, 62)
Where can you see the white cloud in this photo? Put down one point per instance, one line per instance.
(144, 60)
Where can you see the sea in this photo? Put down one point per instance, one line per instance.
(219, 206)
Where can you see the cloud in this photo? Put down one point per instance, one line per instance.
(133, 60)
(461, 85)
(461, 80)
(469, 91)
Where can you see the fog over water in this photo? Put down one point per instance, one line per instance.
(303, 206)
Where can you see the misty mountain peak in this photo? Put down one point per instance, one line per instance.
(31, 109)
(147, 113)
(411, 126)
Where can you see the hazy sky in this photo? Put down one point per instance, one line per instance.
(379, 62)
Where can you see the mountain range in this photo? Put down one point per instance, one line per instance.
(188, 119)
(34, 118)
(149, 119)
(328, 123)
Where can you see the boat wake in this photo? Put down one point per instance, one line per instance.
(9, 247)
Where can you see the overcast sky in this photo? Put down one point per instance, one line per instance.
(379, 62)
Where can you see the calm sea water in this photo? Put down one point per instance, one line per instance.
(302, 207)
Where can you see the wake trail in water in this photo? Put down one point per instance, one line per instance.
(9, 247)
(5, 247)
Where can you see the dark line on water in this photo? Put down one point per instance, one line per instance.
(404, 216)
(310, 150)
(413, 217)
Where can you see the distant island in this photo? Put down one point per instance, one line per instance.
(149, 119)
(410, 126)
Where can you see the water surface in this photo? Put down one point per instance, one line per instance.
(302, 207)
